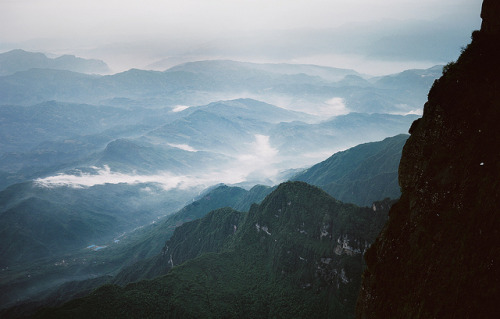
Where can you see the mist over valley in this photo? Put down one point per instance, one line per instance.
(178, 160)
(96, 157)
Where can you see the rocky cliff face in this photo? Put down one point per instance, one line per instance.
(439, 254)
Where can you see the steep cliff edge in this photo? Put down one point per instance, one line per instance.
(439, 255)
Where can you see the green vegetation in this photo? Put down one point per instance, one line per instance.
(134, 257)
(73, 218)
(134, 127)
(140, 254)
(298, 254)
(362, 174)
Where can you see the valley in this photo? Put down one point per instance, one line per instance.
(223, 188)
(111, 177)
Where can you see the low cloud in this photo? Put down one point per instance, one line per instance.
(334, 107)
(415, 112)
(260, 160)
(104, 175)
(259, 163)
(165, 180)
(179, 108)
(184, 147)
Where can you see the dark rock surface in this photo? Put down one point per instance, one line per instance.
(490, 13)
(439, 254)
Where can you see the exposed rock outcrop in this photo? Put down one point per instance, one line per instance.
(439, 254)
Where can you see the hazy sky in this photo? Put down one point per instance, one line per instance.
(134, 33)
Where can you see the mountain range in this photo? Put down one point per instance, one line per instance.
(20, 60)
(305, 88)
(253, 139)
(106, 179)
(298, 253)
(160, 194)
(136, 255)
(286, 250)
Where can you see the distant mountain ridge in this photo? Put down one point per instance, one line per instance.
(20, 60)
(53, 137)
(211, 66)
(360, 175)
(302, 88)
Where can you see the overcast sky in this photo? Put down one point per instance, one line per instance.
(135, 33)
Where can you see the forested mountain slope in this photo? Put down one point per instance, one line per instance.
(297, 254)
(360, 175)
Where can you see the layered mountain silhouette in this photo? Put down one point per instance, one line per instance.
(297, 253)
(53, 137)
(104, 250)
(20, 60)
(98, 214)
(297, 87)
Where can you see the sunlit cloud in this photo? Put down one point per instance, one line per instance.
(179, 108)
(260, 160)
(165, 180)
(184, 147)
(405, 107)
(415, 112)
(104, 175)
(334, 107)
